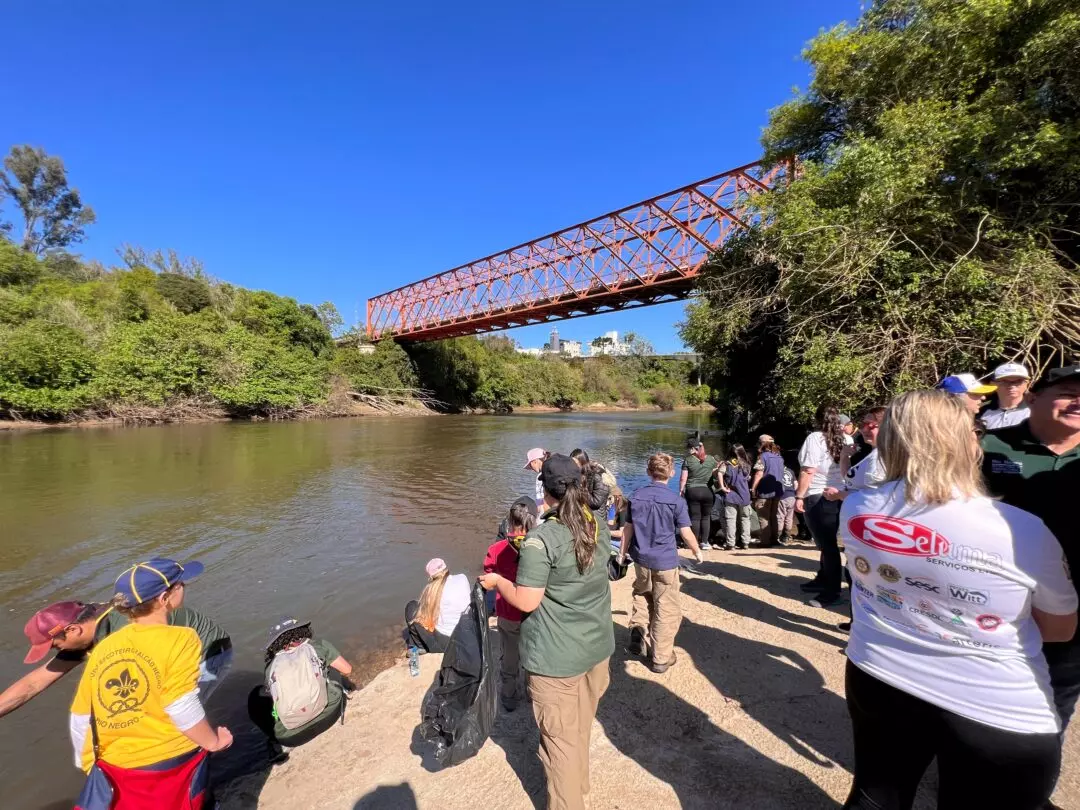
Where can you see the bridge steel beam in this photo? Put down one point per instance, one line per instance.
(646, 253)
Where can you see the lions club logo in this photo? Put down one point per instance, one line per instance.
(123, 687)
(888, 573)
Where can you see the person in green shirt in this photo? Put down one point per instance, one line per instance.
(695, 484)
(567, 638)
(289, 634)
(1035, 466)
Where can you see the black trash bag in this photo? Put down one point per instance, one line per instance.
(458, 711)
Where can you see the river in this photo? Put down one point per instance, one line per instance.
(330, 521)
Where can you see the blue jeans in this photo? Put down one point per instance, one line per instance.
(1064, 661)
(212, 671)
(823, 521)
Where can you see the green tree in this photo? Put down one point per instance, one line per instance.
(931, 227)
(53, 214)
(46, 370)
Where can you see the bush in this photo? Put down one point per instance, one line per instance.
(46, 370)
(665, 396)
(387, 367)
(696, 394)
(256, 375)
(188, 295)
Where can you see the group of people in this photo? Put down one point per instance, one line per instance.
(138, 722)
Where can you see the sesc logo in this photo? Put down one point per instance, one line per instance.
(970, 595)
(924, 584)
(898, 536)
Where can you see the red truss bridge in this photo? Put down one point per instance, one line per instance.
(646, 253)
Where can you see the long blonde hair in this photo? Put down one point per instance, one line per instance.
(431, 600)
(927, 441)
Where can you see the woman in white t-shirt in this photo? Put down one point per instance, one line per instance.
(431, 621)
(819, 460)
(953, 595)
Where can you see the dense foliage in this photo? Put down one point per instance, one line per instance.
(490, 373)
(932, 226)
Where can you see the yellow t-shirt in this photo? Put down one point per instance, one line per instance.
(131, 676)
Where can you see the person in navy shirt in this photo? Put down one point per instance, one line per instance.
(656, 514)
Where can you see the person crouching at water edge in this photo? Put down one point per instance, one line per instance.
(567, 636)
(502, 559)
(430, 622)
(656, 515)
(137, 722)
(303, 693)
(73, 628)
(946, 659)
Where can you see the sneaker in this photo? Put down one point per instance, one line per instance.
(277, 754)
(826, 600)
(660, 669)
(637, 641)
(742, 548)
(726, 547)
(706, 546)
(811, 586)
(844, 627)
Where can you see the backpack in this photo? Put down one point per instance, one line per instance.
(297, 683)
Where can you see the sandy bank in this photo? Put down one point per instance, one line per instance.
(752, 717)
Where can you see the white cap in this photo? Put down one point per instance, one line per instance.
(1006, 370)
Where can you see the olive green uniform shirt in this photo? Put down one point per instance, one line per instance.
(699, 473)
(335, 694)
(570, 632)
(210, 634)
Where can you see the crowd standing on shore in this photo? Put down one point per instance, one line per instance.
(952, 516)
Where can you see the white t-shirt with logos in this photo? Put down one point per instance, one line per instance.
(456, 597)
(815, 453)
(941, 603)
(869, 472)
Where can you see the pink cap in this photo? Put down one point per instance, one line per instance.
(435, 566)
(535, 454)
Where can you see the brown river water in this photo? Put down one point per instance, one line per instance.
(330, 521)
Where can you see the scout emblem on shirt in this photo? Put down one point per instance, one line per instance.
(123, 687)
(1006, 466)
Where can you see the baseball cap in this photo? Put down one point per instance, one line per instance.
(148, 580)
(284, 625)
(559, 471)
(48, 623)
(1006, 370)
(1057, 375)
(435, 565)
(535, 454)
(844, 419)
(765, 438)
(964, 384)
(528, 502)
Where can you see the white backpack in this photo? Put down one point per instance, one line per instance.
(297, 684)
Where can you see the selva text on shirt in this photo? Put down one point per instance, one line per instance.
(942, 598)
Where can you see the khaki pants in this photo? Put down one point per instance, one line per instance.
(656, 610)
(768, 510)
(564, 709)
(510, 632)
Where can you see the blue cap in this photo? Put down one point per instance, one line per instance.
(148, 580)
(964, 384)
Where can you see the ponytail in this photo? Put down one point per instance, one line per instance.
(573, 512)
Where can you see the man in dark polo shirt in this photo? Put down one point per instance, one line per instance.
(1036, 466)
(656, 514)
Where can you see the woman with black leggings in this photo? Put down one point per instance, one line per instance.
(697, 473)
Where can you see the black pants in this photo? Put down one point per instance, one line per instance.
(699, 501)
(823, 521)
(979, 766)
(416, 635)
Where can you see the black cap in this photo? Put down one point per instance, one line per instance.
(1057, 375)
(559, 471)
(528, 503)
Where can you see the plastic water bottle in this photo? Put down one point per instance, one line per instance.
(414, 661)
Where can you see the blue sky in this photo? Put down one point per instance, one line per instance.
(335, 150)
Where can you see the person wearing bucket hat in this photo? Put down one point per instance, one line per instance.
(430, 621)
(1011, 381)
(567, 637)
(138, 726)
(296, 703)
(72, 628)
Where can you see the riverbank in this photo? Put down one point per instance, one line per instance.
(752, 716)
